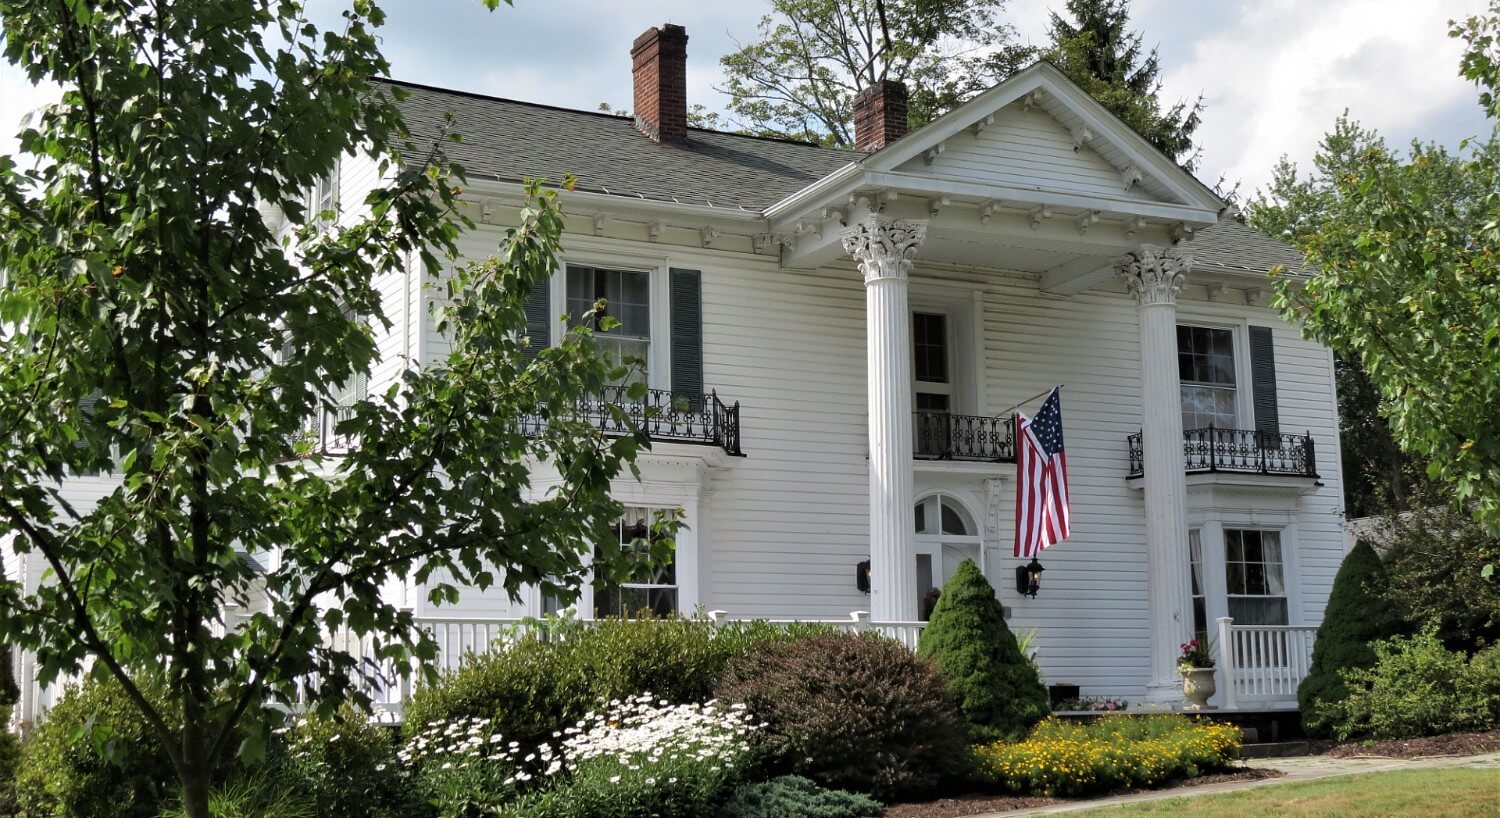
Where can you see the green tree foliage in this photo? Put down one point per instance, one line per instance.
(1097, 50)
(1356, 616)
(997, 687)
(810, 58)
(155, 326)
(1408, 285)
(1295, 207)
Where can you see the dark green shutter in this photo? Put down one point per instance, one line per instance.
(687, 332)
(539, 317)
(1263, 375)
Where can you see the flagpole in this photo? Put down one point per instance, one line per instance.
(1046, 391)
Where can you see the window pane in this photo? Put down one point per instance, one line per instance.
(1195, 560)
(930, 342)
(1233, 549)
(921, 513)
(953, 522)
(931, 402)
(1258, 611)
(1234, 579)
(1255, 578)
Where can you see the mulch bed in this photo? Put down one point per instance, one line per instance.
(1456, 744)
(967, 805)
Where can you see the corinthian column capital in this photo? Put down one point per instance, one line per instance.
(883, 246)
(1154, 275)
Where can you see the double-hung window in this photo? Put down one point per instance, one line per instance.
(649, 585)
(1206, 368)
(931, 367)
(1255, 579)
(627, 297)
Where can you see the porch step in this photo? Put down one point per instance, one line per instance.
(1275, 749)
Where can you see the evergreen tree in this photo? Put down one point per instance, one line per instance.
(998, 689)
(1356, 616)
(1098, 51)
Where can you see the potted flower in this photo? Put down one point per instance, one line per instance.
(1196, 664)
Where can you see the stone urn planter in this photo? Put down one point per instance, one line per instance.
(1198, 686)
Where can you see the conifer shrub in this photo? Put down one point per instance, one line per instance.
(792, 796)
(996, 686)
(1356, 616)
(855, 712)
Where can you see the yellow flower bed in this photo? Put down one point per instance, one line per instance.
(1115, 752)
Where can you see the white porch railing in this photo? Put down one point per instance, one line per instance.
(456, 637)
(1263, 664)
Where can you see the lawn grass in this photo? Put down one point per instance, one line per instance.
(1445, 793)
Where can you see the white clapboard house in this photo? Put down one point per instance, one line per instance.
(853, 331)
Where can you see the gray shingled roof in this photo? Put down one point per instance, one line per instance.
(1232, 246)
(514, 140)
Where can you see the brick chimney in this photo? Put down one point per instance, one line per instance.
(879, 115)
(659, 60)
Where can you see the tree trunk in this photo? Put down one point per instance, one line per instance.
(194, 780)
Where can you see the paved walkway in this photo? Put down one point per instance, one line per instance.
(1305, 768)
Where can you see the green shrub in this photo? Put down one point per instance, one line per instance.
(343, 767)
(545, 682)
(996, 686)
(115, 770)
(254, 796)
(855, 712)
(1116, 752)
(10, 757)
(1356, 616)
(1417, 688)
(792, 796)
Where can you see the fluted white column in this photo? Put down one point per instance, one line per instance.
(1154, 276)
(884, 248)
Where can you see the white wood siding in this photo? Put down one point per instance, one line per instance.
(1027, 149)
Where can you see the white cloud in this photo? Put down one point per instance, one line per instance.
(1276, 78)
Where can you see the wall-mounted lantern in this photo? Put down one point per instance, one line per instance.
(862, 576)
(1029, 578)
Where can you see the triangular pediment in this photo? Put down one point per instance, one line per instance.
(1039, 131)
(1024, 146)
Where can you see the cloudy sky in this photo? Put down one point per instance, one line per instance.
(1273, 73)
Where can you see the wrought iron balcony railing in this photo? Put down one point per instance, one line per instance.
(946, 436)
(663, 415)
(1245, 451)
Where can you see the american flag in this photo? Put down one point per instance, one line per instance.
(1041, 479)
